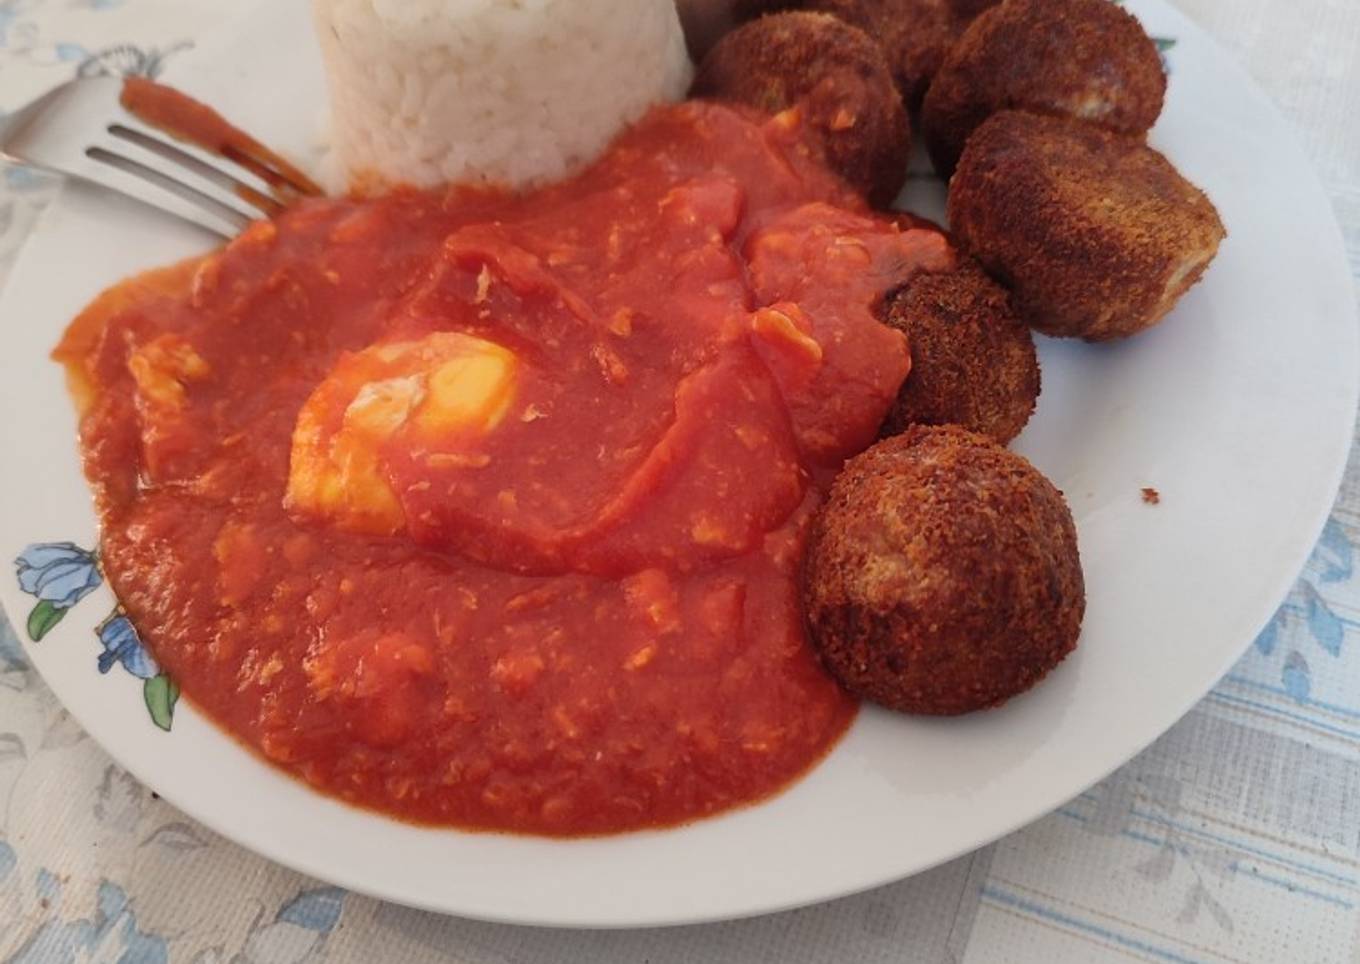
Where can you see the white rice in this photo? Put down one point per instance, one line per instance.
(512, 92)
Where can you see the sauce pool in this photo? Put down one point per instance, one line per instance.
(486, 510)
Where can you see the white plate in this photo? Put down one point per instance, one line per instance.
(1238, 409)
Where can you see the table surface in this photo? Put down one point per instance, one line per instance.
(1233, 838)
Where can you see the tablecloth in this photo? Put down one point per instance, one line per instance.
(1233, 838)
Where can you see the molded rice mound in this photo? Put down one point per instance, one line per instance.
(425, 92)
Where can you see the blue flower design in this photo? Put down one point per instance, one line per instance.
(61, 573)
(20, 179)
(127, 60)
(1334, 556)
(1332, 562)
(11, 653)
(1269, 636)
(111, 932)
(317, 910)
(1296, 676)
(10, 10)
(123, 645)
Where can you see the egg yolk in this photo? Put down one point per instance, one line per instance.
(446, 390)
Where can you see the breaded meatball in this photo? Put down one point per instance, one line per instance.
(968, 9)
(1087, 59)
(835, 75)
(973, 362)
(915, 34)
(942, 575)
(1095, 233)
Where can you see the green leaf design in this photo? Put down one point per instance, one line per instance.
(1164, 43)
(44, 616)
(161, 693)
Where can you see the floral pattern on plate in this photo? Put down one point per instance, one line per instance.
(59, 575)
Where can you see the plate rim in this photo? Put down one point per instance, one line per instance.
(1334, 477)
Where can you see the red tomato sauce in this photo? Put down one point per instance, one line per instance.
(486, 510)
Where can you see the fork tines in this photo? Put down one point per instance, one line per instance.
(83, 129)
(233, 199)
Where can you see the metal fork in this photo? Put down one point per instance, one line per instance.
(82, 130)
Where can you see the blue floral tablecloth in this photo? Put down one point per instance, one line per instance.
(1236, 837)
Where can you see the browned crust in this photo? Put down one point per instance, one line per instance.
(1080, 58)
(750, 9)
(836, 75)
(1096, 234)
(914, 35)
(943, 575)
(968, 9)
(973, 362)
